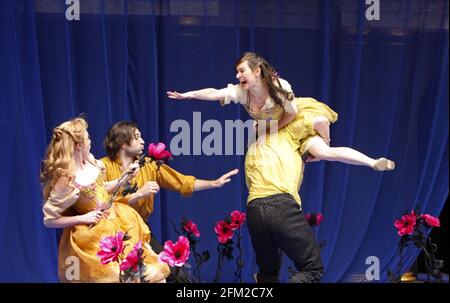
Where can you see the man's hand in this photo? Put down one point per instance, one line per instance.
(225, 178)
(149, 188)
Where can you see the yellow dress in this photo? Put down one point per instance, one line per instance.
(78, 246)
(304, 108)
(307, 110)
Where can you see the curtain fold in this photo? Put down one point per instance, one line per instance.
(387, 79)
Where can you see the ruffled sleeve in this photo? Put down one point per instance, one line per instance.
(233, 93)
(58, 202)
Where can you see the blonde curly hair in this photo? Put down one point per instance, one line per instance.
(59, 161)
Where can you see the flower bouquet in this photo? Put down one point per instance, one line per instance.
(411, 228)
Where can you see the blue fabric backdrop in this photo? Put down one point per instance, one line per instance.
(387, 79)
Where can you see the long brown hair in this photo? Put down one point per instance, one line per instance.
(59, 161)
(120, 133)
(268, 75)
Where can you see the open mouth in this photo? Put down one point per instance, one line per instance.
(244, 82)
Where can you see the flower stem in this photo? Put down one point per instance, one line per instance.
(238, 271)
(219, 263)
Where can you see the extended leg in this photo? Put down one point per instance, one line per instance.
(321, 151)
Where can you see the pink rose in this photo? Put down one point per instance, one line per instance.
(431, 221)
(158, 151)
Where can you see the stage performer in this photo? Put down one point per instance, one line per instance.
(78, 200)
(266, 97)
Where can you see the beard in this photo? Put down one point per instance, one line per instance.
(134, 154)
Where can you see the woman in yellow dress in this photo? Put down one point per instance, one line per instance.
(75, 198)
(266, 97)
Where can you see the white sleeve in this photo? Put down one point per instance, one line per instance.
(233, 93)
(288, 105)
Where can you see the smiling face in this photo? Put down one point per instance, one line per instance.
(246, 76)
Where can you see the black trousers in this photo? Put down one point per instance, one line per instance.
(277, 224)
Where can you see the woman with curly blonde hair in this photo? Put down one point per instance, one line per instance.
(76, 198)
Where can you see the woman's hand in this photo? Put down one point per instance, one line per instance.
(92, 217)
(179, 96)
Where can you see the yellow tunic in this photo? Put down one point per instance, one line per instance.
(79, 244)
(275, 166)
(166, 177)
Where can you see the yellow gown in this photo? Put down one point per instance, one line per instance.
(302, 125)
(78, 246)
(301, 128)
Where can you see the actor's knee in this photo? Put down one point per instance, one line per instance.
(320, 122)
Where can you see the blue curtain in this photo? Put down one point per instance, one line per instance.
(387, 79)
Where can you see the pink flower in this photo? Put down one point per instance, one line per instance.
(158, 151)
(237, 219)
(431, 221)
(111, 248)
(191, 228)
(406, 224)
(175, 254)
(131, 262)
(319, 218)
(224, 231)
(314, 219)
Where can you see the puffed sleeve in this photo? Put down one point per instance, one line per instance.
(233, 93)
(58, 202)
(288, 105)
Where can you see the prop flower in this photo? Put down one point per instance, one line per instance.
(224, 230)
(111, 248)
(131, 262)
(431, 221)
(314, 219)
(190, 230)
(412, 228)
(175, 254)
(158, 153)
(237, 219)
(405, 225)
(131, 267)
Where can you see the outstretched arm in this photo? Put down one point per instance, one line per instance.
(221, 181)
(208, 94)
